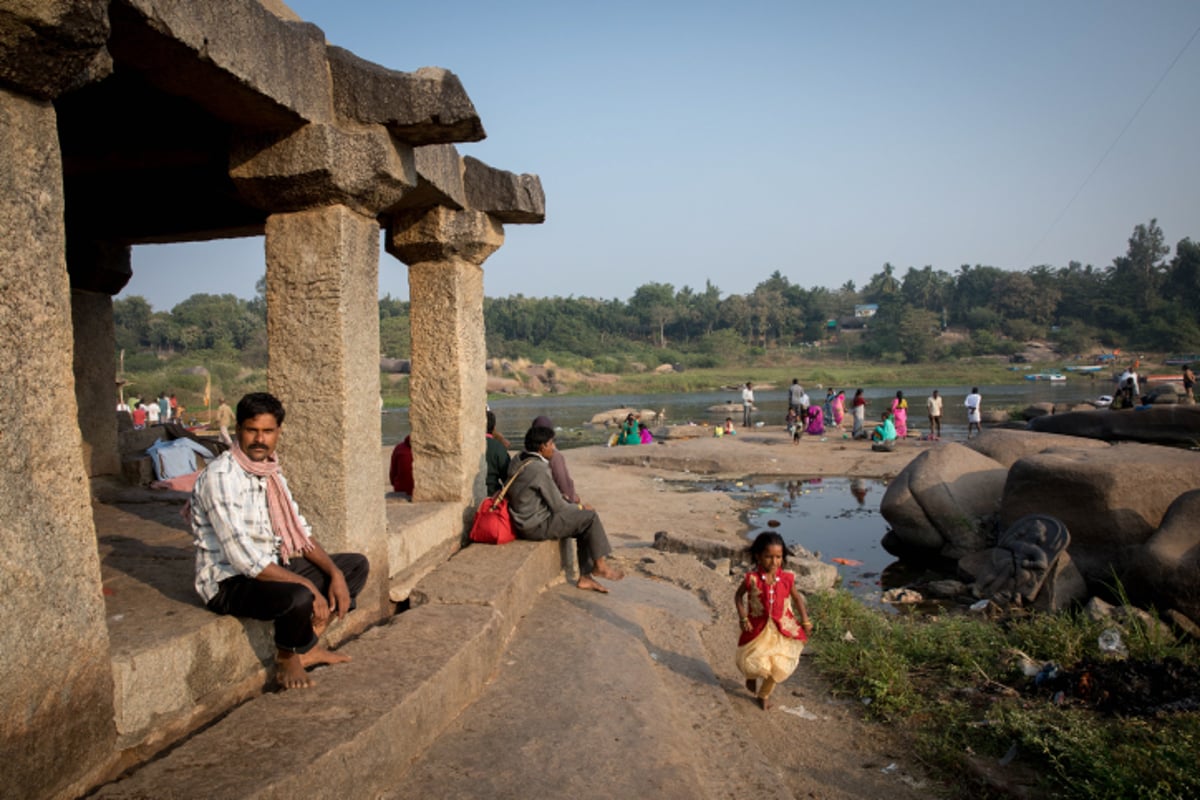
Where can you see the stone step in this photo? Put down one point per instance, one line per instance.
(356, 732)
(176, 665)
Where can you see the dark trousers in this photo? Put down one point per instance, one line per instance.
(290, 605)
(581, 524)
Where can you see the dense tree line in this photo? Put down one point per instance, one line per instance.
(1146, 299)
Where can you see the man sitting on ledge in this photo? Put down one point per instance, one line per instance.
(540, 512)
(255, 555)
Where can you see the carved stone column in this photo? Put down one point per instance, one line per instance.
(323, 186)
(98, 271)
(58, 693)
(444, 250)
(323, 335)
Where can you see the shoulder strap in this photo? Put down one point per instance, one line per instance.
(504, 489)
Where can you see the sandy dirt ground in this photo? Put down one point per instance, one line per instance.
(818, 743)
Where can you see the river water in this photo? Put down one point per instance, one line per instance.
(571, 412)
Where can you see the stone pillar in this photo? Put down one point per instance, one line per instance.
(445, 250)
(95, 369)
(57, 695)
(323, 339)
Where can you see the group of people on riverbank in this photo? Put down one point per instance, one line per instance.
(146, 411)
(805, 417)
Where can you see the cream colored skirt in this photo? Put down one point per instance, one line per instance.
(769, 655)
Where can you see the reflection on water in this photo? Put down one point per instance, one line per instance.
(837, 519)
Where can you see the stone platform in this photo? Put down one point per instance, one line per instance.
(176, 666)
(363, 724)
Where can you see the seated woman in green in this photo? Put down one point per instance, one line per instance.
(885, 431)
(629, 431)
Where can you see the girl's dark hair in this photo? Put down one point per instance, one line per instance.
(765, 540)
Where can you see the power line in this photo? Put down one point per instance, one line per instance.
(1113, 146)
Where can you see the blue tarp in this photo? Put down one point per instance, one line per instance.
(175, 457)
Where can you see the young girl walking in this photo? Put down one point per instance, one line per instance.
(772, 640)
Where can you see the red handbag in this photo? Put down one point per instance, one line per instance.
(492, 524)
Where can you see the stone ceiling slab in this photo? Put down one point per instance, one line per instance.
(428, 106)
(506, 196)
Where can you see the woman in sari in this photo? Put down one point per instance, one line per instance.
(900, 415)
(816, 421)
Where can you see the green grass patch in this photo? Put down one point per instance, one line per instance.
(955, 684)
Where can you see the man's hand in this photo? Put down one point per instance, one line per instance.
(321, 608)
(339, 595)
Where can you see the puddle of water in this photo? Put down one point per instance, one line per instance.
(834, 518)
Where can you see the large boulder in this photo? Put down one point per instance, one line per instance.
(615, 416)
(1110, 499)
(943, 503)
(1009, 446)
(1159, 424)
(1165, 572)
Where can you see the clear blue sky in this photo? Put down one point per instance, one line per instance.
(681, 142)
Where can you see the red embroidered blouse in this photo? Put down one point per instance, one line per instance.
(767, 601)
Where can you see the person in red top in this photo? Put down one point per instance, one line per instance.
(400, 473)
(772, 640)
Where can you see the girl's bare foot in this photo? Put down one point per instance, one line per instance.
(587, 583)
(752, 685)
(765, 702)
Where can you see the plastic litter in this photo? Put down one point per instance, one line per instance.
(889, 769)
(980, 605)
(1048, 672)
(1110, 642)
(799, 711)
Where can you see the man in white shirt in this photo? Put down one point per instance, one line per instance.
(973, 402)
(256, 556)
(934, 404)
(747, 405)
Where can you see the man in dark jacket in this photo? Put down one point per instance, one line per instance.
(540, 512)
(496, 457)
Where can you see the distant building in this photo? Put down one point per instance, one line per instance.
(866, 310)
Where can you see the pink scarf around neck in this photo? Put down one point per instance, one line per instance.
(285, 522)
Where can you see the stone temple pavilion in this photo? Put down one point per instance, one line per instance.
(126, 122)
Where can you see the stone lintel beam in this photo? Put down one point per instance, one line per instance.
(441, 234)
(50, 47)
(504, 195)
(428, 106)
(439, 180)
(236, 59)
(321, 165)
(98, 266)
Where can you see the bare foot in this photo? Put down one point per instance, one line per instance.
(586, 582)
(319, 655)
(765, 702)
(289, 672)
(608, 573)
(752, 685)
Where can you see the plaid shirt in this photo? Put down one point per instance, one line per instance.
(231, 526)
